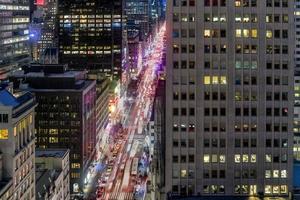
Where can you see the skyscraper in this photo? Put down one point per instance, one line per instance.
(297, 36)
(138, 17)
(14, 35)
(65, 115)
(91, 35)
(229, 114)
(17, 167)
(43, 26)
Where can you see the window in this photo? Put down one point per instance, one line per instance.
(268, 158)
(75, 165)
(275, 173)
(223, 80)
(283, 174)
(283, 189)
(253, 158)
(207, 33)
(237, 158)
(254, 33)
(222, 158)
(238, 33)
(206, 158)
(245, 158)
(53, 140)
(206, 80)
(214, 158)
(268, 189)
(238, 3)
(269, 34)
(3, 118)
(183, 173)
(3, 134)
(268, 174)
(215, 80)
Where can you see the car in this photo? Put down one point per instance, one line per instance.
(109, 169)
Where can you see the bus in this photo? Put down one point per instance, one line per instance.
(134, 166)
(126, 177)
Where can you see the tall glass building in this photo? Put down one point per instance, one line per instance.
(14, 34)
(91, 35)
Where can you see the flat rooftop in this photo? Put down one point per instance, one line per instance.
(66, 74)
(55, 153)
(8, 99)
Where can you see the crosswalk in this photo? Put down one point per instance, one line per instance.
(121, 196)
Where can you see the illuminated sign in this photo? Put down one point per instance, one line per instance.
(40, 2)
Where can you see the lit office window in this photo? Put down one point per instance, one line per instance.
(283, 174)
(268, 158)
(206, 158)
(237, 158)
(246, 33)
(3, 134)
(283, 189)
(223, 80)
(275, 173)
(254, 33)
(215, 80)
(206, 80)
(245, 158)
(276, 189)
(268, 174)
(269, 34)
(183, 173)
(268, 189)
(238, 33)
(214, 158)
(222, 158)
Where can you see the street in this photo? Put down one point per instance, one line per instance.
(122, 172)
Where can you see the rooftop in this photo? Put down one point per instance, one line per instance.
(8, 99)
(56, 153)
(44, 180)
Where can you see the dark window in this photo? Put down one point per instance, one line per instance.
(268, 143)
(206, 142)
(214, 143)
(175, 111)
(237, 143)
(222, 143)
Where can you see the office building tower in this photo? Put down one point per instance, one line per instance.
(138, 17)
(297, 117)
(43, 28)
(17, 169)
(297, 35)
(157, 134)
(102, 112)
(52, 173)
(14, 37)
(92, 36)
(229, 114)
(65, 115)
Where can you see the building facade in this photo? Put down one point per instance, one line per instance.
(43, 28)
(65, 115)
(14, 35)
(297, 117)
(229, 114)
(138, 17)
(52, 174)
(102, 111)
(92, 34)
(17, 169)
